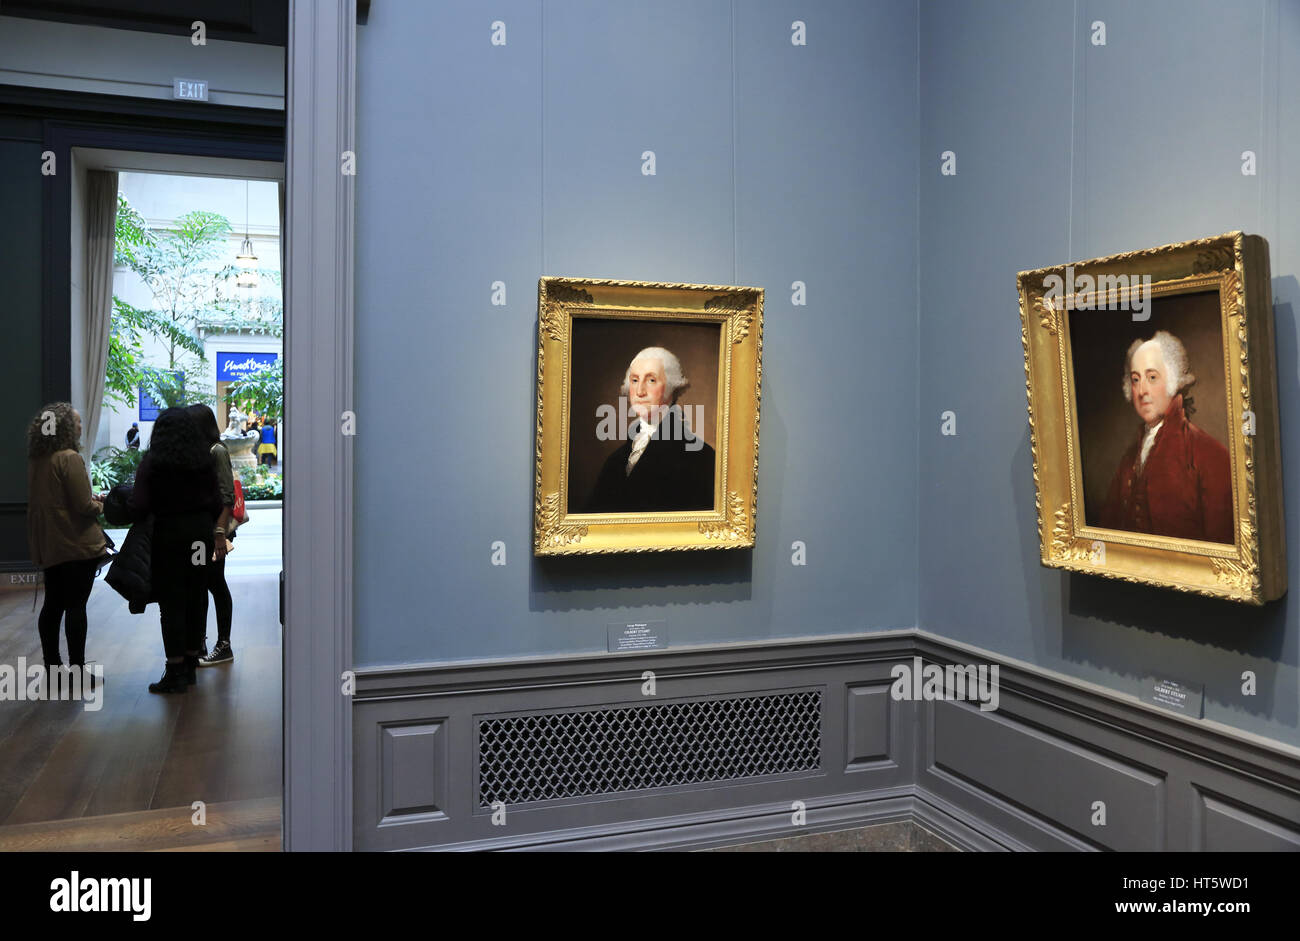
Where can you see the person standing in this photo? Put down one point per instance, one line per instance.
(133, 437)
(177, 484)
(266, 449)
(63, 532)
(225, 523)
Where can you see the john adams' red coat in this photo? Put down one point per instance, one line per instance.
(1183, 490)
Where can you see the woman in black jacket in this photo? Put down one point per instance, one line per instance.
(176, 483)
(207, 422)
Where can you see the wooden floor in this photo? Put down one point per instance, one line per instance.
(241, 826)
(127, 775)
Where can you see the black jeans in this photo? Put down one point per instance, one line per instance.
(180, 579)
(67, 589)
(221, 599)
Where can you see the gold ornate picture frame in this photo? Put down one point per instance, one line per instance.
(685, 478)
(1197, 509)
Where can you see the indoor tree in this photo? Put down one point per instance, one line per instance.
(262, 392)
(182, 268)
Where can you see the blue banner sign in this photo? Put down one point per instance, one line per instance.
(235, 366)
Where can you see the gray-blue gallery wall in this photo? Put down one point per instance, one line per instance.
(776, 163)
(1068, 150)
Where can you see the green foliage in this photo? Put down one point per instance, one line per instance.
(127, 370)
(123, 373)
(180, 268)
(111, 466)
(172, 389)
(192, 293)
(135, 320)
(261, 483)
(101, 477)
(262, 392)
(131, 232)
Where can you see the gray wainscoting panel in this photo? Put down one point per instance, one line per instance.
(1060, 781)
(736, 714)
(1031, 771)
(413, 771)
(871, 726)
(722, 753)
(1225, 825)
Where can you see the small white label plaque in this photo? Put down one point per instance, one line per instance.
(640, 635)
(1187, 698)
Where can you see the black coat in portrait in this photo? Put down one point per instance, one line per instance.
(674, 473)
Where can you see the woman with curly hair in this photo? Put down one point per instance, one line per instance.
(177, 484)
(63, 532)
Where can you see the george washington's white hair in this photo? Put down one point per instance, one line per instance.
(673, 377)
(1178, 371)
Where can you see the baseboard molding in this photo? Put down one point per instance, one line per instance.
(731, 827)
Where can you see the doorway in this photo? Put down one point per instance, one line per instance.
(121, 768)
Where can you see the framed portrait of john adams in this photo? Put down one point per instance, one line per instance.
(1153, 417)
(647, 416)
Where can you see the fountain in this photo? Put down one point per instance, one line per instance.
(238, 442)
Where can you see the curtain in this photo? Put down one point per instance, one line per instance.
(101, 214)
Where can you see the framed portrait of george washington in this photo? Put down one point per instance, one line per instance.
(1154, 419)
(647, 416)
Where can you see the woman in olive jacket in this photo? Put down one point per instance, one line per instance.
(63, 532)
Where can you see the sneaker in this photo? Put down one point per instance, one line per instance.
(221, 653)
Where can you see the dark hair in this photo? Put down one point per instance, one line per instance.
(177, 443)
(206, 421)
(45, 438)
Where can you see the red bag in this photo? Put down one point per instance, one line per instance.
(241, 511)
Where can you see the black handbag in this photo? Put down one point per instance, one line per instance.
(131, 575)
(108, 555)
(117, 506)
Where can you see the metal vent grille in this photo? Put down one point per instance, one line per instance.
(551, 756)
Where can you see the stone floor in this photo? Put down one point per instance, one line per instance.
(901, 837)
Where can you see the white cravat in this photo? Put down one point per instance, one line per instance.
(1148, 442)
(643, 435)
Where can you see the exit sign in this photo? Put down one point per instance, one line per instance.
(189, 89)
